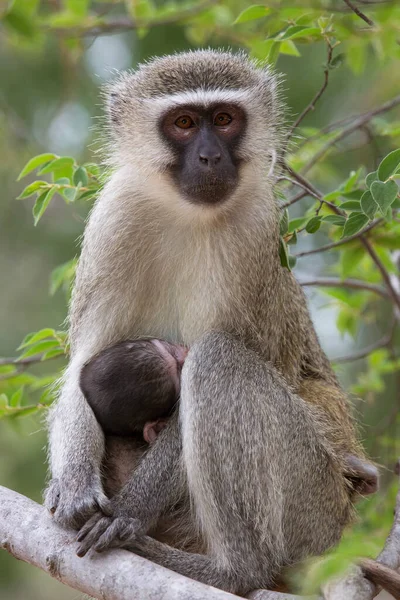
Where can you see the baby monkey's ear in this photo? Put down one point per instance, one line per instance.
(363, 475)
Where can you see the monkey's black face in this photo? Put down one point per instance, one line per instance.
(205, 142)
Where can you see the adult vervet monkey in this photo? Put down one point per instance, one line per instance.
(183, 245)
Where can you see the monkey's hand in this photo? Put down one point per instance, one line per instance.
(103, 532)
(72, 500)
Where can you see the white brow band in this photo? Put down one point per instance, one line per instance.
(198, 97)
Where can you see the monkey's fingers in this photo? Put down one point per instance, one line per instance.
(89, 536)
(119, 532)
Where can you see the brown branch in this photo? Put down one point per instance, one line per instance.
(295, 199)
(359, 13)
(317, 96)
(382, 576)
(355, 284)
(362, 582)
(30, 360)
(306, 185)
(381, 268)
(357, 123)
(118, 24)
(382, 343)
(340, 242)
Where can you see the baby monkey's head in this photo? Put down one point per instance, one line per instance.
(132, 383)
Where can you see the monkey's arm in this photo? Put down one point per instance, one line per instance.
(145, 497)
(76, 450)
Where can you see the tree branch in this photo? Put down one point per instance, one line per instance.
(355, 284)
(317, 96)
(359, 13)
(382, 343)
(340, 242)
(381, 268)
(362, 582)
(29, 534)
(355, 123)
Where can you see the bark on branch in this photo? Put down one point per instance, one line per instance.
(29, 534)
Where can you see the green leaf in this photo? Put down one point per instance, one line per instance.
(351, 205)
(39, 348)
(370, 178)
(296, 223)
(62, 274)
(284, 254)
(293, 239)
(350, 258)
(368, 204)
(274, 53)
(32, 188)
(313, 224)
(70, 193)
(292, 262)
(389, 165)
(35, 162)
(15, 400)
(88, 194)
(335, 220)
(80, 176)
(17, 20)
(58, 163)
(384, 194)
(288, 47)
(52, 354)
(298, 31)
(77, 7)
(353, 195)
(41, 204)
(283, 224)
(354, 224)
(257, 11)
(337, 61)
(3, 401)
(37, 336)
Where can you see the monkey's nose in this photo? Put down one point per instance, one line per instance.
(210, 159)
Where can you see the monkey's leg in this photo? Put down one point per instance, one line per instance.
(264, 484)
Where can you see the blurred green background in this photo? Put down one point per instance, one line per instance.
(49, 98)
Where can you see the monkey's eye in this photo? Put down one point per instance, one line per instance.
(184, 122)
(222, 119)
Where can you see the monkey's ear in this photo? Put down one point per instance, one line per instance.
(363, 475)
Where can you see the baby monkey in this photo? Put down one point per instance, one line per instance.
(133, 386)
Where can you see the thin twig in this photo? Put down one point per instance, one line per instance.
(354, 284)
(295, 182)
(29, 360)
(382, 343)
(118, 24)
(295, 199)
(359, 13)
(340, 242)
(306, 185)
(357, 123)
(317, 96)
(381, 268)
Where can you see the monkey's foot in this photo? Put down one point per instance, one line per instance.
(72, 501)
(102, 533)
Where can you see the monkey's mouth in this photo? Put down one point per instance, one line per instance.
(211, 191)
